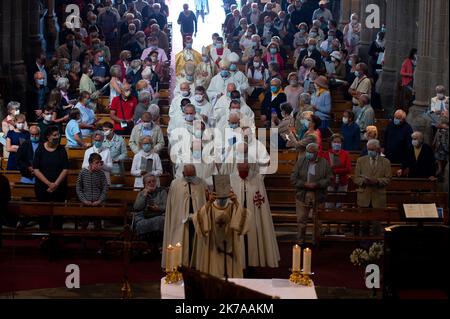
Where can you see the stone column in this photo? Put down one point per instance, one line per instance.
(5, 36)
(34, 36)
(18, 70)
(432, 64)
(51, 27)
(368, 35)
(347, 8)
(401, 36)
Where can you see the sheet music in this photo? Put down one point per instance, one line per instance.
(420, 211)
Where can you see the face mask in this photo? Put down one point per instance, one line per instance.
(397, 121)
(293, 82)
(107, 132)
(20, 126)
(440, 96)
(357, 74)
(224, 73)
(189, 179)
(198, 97)
(148, 125)
(54, 141)
(188, 45)
(415, 143)
(40, 81)
(146, 147)
(205, 58)
(48, 117)
(185, 93)
(221, 202)
(189, 78)
(254, 44)
(268, 25)
(233, 67)
(101, 59)
(274, 89)
(311, 48)
(234, 125)
(154, 59)
(345, 120)
(127, 94)
(67, 66)
(302, 31)
(197, 154)
(189, 117)
(256, 64)
(330, 38)
(313, 34)
(16, 112)
(372, 154)
(98, 144)
(305, 123)
(34, 139)
(336, 146)
(350, 62)
(273, 50)
(310, 156)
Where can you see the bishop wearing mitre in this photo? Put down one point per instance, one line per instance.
(187, 54)
(219, 226)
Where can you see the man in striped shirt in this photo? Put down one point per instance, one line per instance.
(92, 185)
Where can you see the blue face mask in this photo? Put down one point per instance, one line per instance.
(305, 123)
(188, 45)
(274, 89)
(197, 154)
(189, 179)
(34, 139)
(234, 125)
(224, 73)
(101, 59)
(372, 154)
(189, 117)
(98, 144)
(40, 81)
(219, 46)
(221, 202)
(189, 78)
(233, 67)
(397, 121)
(357, 74)
(310, 156)
(336, 146)
(146, 148)
(273, 50)
(67, 66)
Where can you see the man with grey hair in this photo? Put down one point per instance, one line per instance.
(144, 100)
(372, 175)
(97, 147)
(365, 115)
(146, 127)
(311, 177)
(154, 111)
(25, 155)
(419, 160)
(397, 138)
(439, 103)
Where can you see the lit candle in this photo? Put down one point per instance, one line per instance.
(169, 258)
(296, 258)
(177, 255)
(307, 261)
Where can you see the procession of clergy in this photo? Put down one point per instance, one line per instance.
(212, 132)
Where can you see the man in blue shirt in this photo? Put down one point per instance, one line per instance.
(88, 118)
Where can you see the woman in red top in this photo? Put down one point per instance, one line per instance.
(273, 55)
(339, 161)
(407, 81)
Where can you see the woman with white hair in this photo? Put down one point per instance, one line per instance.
(67, 101)
(352, 34)
(145, 161)
(8, 123)
(115, 85)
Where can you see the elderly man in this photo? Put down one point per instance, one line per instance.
(184, 121)
(273, 99)
(311, 52)
(163, 40)
(238, 107)
(255, 49)
(117, 148)
(219, 82)
(153, 45)
(187, 54)
(144, 99)
(419, 161)
(361, 85)
(365, 115)
(311, 177)
(397, 138)
(224, 101)
(186, 196)
(25, 155)
(39, 92)
(187, 75)
(372, 175)
(97, 147)
(146, 127)
(184, 92)
(238, 77)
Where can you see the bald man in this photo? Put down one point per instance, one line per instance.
(397, 138)
(186, 196)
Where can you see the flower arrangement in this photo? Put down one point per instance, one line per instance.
(361, 257)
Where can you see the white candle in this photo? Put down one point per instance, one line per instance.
(296, 258)
(177, 255)
(169, 258)
(307, 261)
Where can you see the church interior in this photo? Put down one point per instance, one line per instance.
(298, 149)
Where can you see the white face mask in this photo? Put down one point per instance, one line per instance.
(16, 112)
(107, 132)
(20, 126)
(48, 117)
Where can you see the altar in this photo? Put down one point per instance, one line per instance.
(279, 288)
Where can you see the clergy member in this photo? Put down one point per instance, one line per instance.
(219, 82)
(239, 78)
(187, 54)
(205, 70)
(186, 196)
(219, 226)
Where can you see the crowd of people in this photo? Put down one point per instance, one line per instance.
(213, 126)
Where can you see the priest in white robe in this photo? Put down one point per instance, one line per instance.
(236, 105)
(262, 247)
(219, 52)
(184, 92)
(219, 82)
(186, 196)
(239, 78)
(205, 70)
(187, 75)
(219, 226)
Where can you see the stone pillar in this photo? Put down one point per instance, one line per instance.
(5, 36)
(34, 36)
(401, 36)
(432, 51)
(347, 8)
(368, 35)
(18, 70)
(51, 27)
